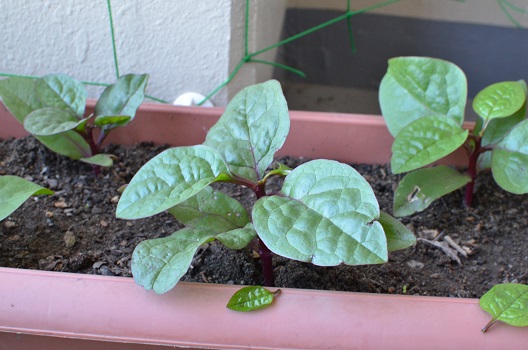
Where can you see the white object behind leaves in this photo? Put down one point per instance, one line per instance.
(192, 99)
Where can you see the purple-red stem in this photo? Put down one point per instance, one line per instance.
(266, 255)
(474, 153)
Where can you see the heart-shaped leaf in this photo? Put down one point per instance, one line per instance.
(123, 97)
(418, 189)
(416, 87)
(253, 127)
(509, 160)
(99, 159)
(19, 96)
(14, 191)
(424, 141)
(398, 235)
(499, 100)
(63, 92)
(51, 121)
(508, 303)
(326, 214)
(159, 263)
(170, 178)
(251, 298)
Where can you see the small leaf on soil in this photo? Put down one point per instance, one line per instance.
(251, 298)
(508, 303)
(418, 189)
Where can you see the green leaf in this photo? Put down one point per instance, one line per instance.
(508, 303)
(398, 235)
(63, 92)
(417, 190)
(124, 97)
(253, 127)
(51, 121)
(509, 160)
(159, 264)
(14, 191)
(170, 178)
(326, 215)
(118, 120)
(497, 129)
(416, 87)
(68, 143)
(19, 96)
(99, 159)
(424, 141)
(211, 208)
(251, 298)
(499, 100)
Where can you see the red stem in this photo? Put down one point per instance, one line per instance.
(474, 153)
(266, 255)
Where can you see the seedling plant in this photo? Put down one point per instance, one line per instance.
(52, 108)
(326, 212)
(14, 191)
(423, 101)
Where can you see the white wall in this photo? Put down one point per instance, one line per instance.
(184, 45)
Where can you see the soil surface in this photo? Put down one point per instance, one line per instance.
(75, 230)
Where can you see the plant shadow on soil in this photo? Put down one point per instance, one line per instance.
(75, 230)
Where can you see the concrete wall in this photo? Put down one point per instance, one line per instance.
(184, 45)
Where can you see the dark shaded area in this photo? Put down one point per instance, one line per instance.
(487, 54)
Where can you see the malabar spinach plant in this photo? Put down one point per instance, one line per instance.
(326, 212)
(423, 101)
(14, 191)
(52, 108)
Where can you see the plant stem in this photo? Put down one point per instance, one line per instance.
(472, 171)
(266, 255)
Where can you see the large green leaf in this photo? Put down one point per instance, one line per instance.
(14, 191)
(123, 97)
(326, 215)
(499, 100)
(19, 96)
(418, 189)
(424, 141)
(415, 87)
(51, 121)
(508, 303)
(170, 178)
(509, 160)
(398, 235)
(63, 92)
(159, 264)
(253, 127)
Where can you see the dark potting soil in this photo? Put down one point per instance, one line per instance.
(75, 230)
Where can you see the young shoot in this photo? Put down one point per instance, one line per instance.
(326, 212)
(52, 108)
(423, 101)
